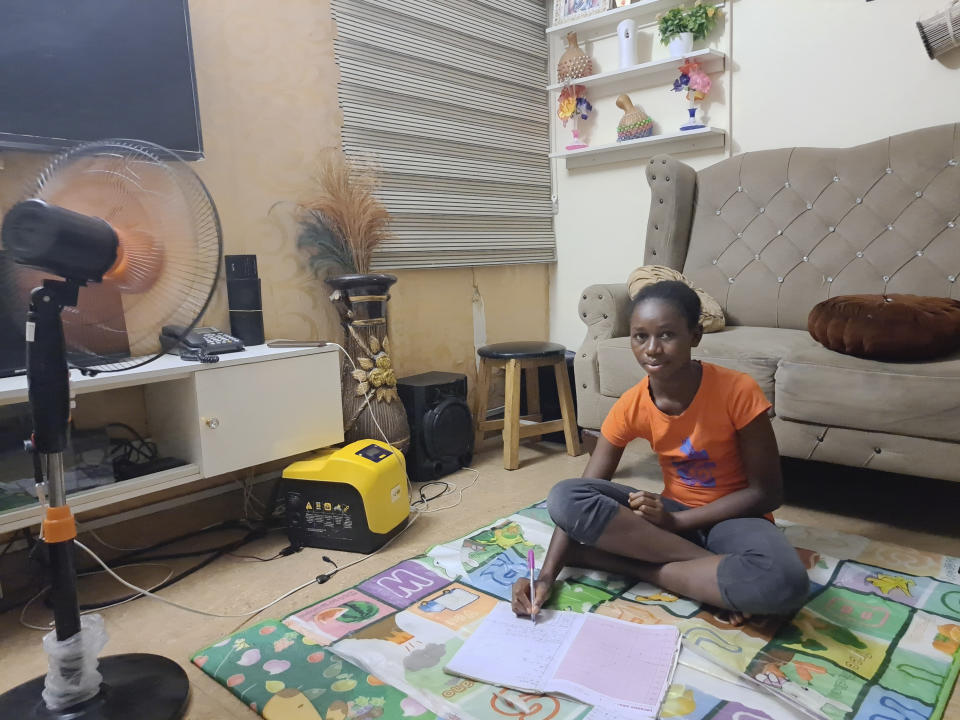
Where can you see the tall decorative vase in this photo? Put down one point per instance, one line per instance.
(369, 391)
(574, 63)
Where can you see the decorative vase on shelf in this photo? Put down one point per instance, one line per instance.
(635, 123)
(574, 63)
(692, 122)
(369, 383)
(680, 45)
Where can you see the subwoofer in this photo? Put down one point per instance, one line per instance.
(441, 425)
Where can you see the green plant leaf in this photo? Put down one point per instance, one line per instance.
(698, 20)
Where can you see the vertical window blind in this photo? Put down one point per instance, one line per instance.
(449, 97)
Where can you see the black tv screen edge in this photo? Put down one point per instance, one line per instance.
(87, 70)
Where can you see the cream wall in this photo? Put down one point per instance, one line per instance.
(810, 72)
(267, 85)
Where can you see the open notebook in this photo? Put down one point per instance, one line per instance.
(618, 666)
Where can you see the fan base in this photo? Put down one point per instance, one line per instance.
(135, 685)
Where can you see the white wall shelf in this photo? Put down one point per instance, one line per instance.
(644, 11)
(677, 142)
(650, 74)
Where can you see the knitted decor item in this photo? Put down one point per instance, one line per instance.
(711, 314)
(635, 123)
(887, 327)
(574, 63)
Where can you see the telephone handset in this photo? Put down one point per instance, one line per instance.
(202, 341)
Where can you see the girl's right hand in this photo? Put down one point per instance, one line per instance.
(520, 601)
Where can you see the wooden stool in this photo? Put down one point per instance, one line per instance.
(517, 357)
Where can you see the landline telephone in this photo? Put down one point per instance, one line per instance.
(201, 343)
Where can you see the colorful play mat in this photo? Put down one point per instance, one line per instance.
(879, 637)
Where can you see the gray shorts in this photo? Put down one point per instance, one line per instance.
(761, 573)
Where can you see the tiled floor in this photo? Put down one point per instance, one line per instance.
(918, 513)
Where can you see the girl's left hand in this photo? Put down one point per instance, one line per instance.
(649, 506)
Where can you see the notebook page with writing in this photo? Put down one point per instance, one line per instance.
(514, 652)
(616, 664)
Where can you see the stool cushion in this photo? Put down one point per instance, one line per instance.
(887, 327)
(522, 350)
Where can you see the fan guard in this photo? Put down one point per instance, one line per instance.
(168, 257)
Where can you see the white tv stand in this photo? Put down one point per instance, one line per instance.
(252, 407)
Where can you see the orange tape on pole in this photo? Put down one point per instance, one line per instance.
(59, 525)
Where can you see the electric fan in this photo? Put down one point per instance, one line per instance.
(117, 239)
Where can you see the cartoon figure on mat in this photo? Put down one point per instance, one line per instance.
(505, 536)
(503, 570)
(291, 704)
(679, 702)
(886, 583)
(454, 599)
(418, 653)
(709, 535)
(772, 676)
(947, 639)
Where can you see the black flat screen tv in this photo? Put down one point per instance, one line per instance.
(80, 70)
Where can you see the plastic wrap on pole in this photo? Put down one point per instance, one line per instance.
(73, 676)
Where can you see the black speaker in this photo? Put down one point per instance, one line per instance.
(240, 266)
(244, 299)
(244, 294)
(441, 426)
(248, 326)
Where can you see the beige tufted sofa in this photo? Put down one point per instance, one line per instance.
(771, 233)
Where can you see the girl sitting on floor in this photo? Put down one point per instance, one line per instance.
(710, 535)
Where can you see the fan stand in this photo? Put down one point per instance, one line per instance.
(135, 685)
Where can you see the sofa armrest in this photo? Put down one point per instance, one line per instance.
(605, 310)
(672, 188)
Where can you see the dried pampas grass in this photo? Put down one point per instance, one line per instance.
(342, 221)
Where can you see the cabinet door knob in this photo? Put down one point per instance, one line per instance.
(213, 423)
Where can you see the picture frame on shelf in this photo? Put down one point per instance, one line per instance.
(567, 10)
(621, 3)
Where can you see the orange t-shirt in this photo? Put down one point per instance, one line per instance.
(698, 449)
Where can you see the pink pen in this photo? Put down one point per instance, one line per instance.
(531, 563)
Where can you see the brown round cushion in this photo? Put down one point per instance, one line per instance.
(887, 327)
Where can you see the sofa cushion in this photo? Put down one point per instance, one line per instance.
(753, 350)
(888, 327)
(711, 315)
(919, 399)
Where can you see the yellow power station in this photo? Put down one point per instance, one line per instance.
(352, 498)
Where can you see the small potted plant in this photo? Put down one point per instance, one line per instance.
(679, 27)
